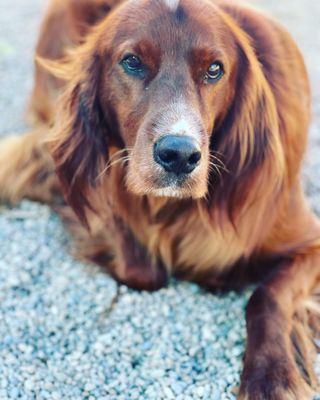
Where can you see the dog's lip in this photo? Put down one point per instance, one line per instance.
(172, 185)
(171, 180)
(170, 191)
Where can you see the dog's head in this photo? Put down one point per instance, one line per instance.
(177, 87)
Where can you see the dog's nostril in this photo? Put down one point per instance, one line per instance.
(176, 153)
(194, 158)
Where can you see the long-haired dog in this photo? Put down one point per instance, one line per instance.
(175, 130)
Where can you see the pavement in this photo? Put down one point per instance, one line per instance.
(67, 330)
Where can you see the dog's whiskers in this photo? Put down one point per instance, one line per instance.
(215, 168)
(220, 164)
(112, 162)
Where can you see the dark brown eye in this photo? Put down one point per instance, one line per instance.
(133, 66)
(214, 72)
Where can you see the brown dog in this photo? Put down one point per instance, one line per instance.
(177, 138)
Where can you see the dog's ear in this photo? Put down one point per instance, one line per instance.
(86, 13)
(79, 140)
(248, 138)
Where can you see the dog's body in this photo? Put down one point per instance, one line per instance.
(237, 213)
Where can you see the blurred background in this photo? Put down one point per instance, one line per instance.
(67, 331)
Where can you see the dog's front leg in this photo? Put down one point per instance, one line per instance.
(271, 370)
(132, 265)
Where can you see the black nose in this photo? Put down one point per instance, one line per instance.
(177, 154)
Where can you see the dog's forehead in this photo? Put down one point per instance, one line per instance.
(166, 22)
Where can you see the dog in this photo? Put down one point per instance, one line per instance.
(175, 131)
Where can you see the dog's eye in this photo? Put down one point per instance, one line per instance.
(133, 66)
(214, 72)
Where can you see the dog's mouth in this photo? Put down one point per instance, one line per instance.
(172, 192)
(168, 184)
(154, 181)
(171, 180)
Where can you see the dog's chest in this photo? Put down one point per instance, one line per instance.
(192, 243)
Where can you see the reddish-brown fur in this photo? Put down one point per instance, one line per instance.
(242, 215)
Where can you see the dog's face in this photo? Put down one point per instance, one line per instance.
(178, 86)
(167, 78)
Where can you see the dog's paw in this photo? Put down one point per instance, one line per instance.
(142, 277)
(273, 379)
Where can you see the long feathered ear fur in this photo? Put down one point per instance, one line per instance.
(247, 139)
(79, 141)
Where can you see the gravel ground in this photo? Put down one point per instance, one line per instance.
(67, 330)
